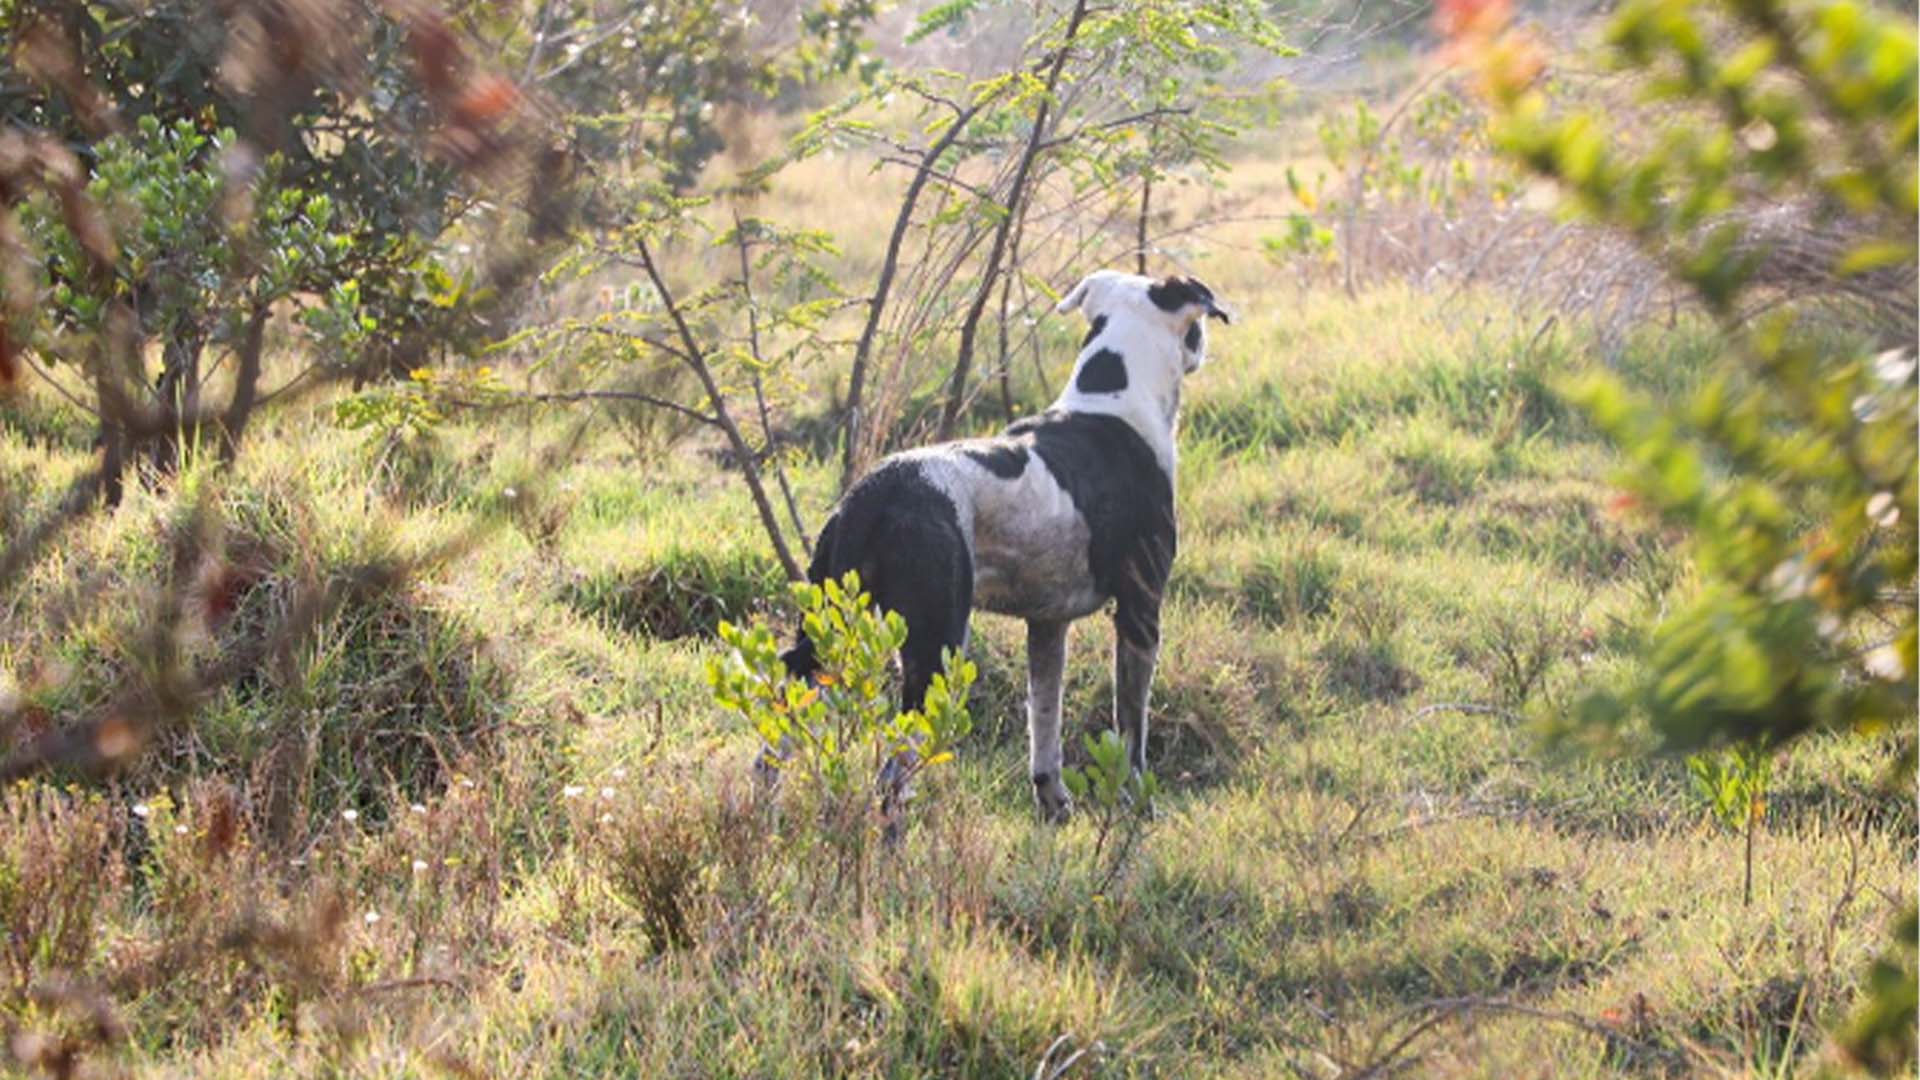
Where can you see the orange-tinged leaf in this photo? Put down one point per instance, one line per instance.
(487, 100)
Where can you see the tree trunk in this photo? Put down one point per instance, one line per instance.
(246, 385)
(179, 390)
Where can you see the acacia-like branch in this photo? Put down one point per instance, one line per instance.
(883, 285)
(696, 360)
(569, 397)
(963, 362)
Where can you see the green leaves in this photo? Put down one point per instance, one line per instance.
(941, 17)
(1733, 783)
(837, 730)
(1734, 786)
(1107, 783)
(1119, 802)
(1793, 471)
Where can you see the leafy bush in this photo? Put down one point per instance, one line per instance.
(1794, 469)
(838, 736)
(1118, 801)
(178, 270)
(1733, 784)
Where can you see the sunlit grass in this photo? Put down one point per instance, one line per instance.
(1399, 552)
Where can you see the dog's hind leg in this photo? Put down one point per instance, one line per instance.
(924, 572)
(1046, 668)
(1136, 651)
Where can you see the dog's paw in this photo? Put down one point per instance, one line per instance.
(1055, 804)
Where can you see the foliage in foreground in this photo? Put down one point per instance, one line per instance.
(1793, 469)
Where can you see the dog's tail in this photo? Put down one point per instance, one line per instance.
(800, 660)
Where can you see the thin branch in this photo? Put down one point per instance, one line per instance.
(963, 362)
(944, 177)
(1143, 116)
(1464, 707)
(883, 285)
(749, 466)
(573, 396)
(759, 384)
(47, 377)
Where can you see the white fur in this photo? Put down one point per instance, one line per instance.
(1150, 341)
(1029, 544)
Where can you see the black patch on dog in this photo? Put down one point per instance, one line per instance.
(1103, 373)
(1093, 331)
(1005, 462)
(1042, 779)
(902, 533)
(1118, 487)
(1193, 336)
(1174, 293)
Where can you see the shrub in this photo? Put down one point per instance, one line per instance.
(656, 857)
(686, 591)
(838, 736)
(1119, 803)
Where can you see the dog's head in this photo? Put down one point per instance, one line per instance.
(1177, 306)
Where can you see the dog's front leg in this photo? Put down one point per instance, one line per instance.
(1136, 649)
(1046, 669)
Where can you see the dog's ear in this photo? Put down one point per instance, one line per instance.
(1177, 293)
(1074, 298)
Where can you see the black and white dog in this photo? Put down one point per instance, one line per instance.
(1047, 522)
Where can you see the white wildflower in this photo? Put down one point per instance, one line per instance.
(1893, 367)
(1791, 579)
(1882, 510)
(1885, 663)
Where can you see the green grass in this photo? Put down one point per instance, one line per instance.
(1398, 556)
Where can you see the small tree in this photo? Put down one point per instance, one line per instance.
(1733, 784)
(192, 283)
(850, 753)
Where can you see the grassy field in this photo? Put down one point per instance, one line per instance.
(451, 837)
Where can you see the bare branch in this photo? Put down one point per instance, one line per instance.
(749, 464)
